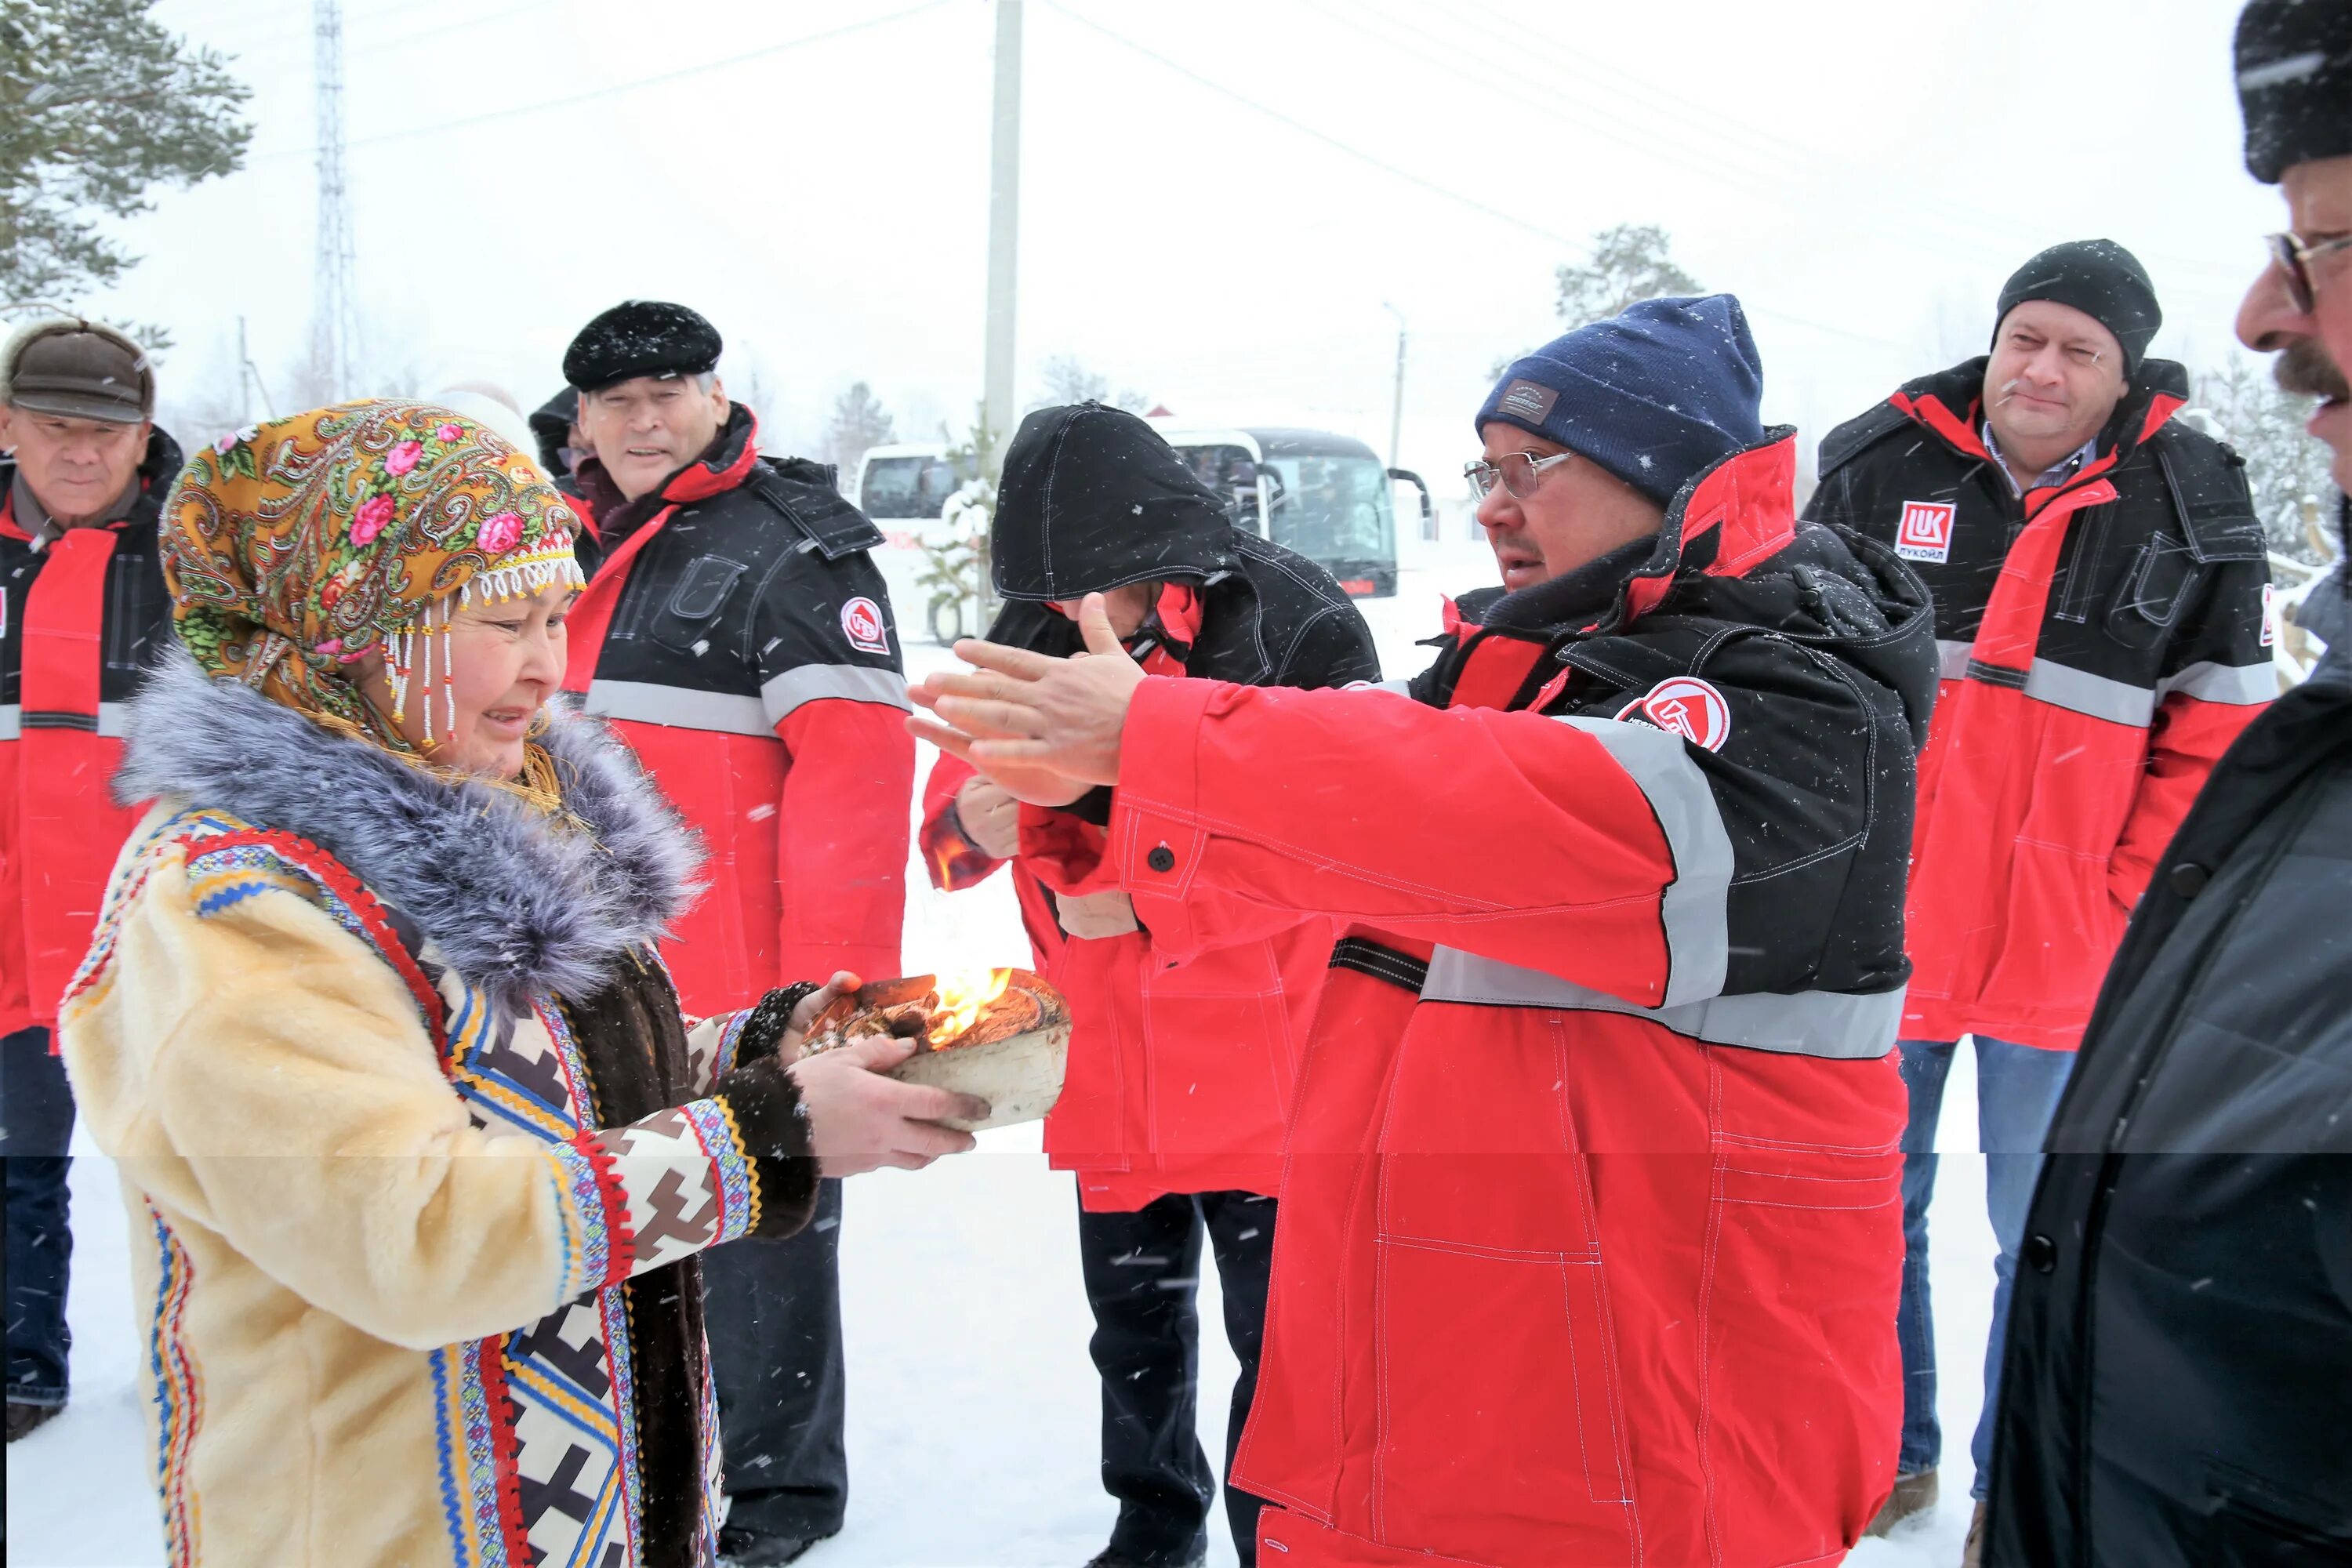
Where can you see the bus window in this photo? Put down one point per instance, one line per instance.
(894, 487)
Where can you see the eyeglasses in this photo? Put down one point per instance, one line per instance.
(1520, 473)
(2293, 258)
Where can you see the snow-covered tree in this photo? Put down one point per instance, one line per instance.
(2285, 469)
(859, 423)
(1069, 379)
(1630, 264)
(98, 105)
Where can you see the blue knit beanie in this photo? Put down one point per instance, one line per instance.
(1654, 394)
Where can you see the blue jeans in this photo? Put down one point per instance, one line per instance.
(2017, 1093)
(37, 1116)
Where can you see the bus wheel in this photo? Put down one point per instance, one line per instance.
(946, 620)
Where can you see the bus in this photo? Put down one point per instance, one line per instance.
(1326, 496)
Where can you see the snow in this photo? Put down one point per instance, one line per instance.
(972, 1408)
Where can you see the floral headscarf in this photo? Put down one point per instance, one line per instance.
(292, 549)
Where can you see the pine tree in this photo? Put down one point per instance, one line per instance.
(859, 423)
(1630, 264)
(98, 105)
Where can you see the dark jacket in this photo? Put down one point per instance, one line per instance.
(736, 633)
(78, 628)
(551, 423)
(2180, 1346)
(1181, 1069)
(2103, 639)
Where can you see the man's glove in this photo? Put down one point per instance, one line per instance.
(989, 819)
(1096, 914)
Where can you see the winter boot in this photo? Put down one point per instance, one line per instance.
(1109, 1558)
(24, 1419)
(1913, 1495)
(742, 1549)
(1972, 1553)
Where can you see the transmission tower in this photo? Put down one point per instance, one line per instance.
(334, 325)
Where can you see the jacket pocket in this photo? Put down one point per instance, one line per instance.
(2156, 588)
(1498, 1400)
(1803, 1396)
(684, 623)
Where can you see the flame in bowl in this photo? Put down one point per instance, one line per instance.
(963, 997)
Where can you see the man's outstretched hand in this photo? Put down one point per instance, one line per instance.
(1045, 728)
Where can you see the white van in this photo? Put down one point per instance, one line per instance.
(904, 488)
(1326, 496)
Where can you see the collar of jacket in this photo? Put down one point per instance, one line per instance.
(517, 905)
(157, 469)
(1950, 403)
(724, 465)
(1730, 516)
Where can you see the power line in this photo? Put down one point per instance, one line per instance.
(1580, 247)
(543, 106)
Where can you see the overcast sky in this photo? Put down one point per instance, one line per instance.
(1220, 198)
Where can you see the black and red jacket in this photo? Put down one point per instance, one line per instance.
(79, 620)
(1592, 1224)
(736, 633)
(2102, 641)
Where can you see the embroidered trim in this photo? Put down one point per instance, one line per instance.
(179, 1398)
(733, 1171)
(506, 1450)
(613, 1204)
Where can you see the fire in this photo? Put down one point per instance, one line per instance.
(962, 999)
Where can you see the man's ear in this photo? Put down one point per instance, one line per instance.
(8, 428)
(718, 391)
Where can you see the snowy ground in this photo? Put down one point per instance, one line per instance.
(972, 1414)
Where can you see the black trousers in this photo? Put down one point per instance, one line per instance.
(36, 1118)
(773, 1309)
(1142, 1271)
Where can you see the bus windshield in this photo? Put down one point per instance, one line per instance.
(1332, 509)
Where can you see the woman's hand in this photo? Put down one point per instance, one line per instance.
(860, 1119)
(796, 1030)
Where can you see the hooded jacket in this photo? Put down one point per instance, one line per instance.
(1182, 1069)
(735, 633)
(2181, 1339)
(2102, 640)
(1590, 1233)
(417, 1152)
(80, 620)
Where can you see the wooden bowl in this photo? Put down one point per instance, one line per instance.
(1013, 1056)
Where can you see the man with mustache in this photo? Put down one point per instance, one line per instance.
(2100, 590)
(2182, 1335)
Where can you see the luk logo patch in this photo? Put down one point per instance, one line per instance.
(1686, 706)
(861, 624)
(2270, 615)
(1926, 531)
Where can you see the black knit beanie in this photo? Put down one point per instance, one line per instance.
(2098, 277)
(2295, 83)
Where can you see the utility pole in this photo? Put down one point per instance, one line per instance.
(334, 325)
(1003, 230)
(1396, 407)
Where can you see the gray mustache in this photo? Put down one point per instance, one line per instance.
(2305, 370)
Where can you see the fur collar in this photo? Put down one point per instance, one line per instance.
(518, 908)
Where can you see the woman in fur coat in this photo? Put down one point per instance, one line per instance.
(418, 1151)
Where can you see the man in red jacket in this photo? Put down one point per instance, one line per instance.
(734, 630)
(2100, 588)
(1591, 1232)
(81, 608)
(1183, 1056)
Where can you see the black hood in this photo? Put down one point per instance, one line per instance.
(1092, 498)
(551, 422)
